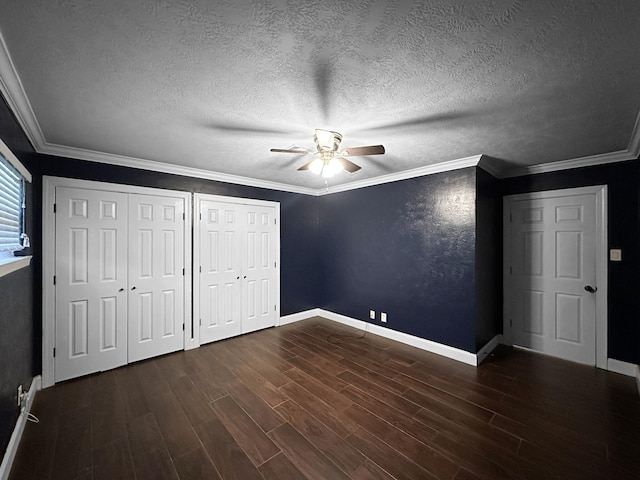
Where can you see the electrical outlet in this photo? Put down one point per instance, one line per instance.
(372, 314)
(383, 317)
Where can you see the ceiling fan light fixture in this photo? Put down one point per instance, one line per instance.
(316, 166)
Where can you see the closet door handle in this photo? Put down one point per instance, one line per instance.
(238, 277)
(133, 288)
(121, 290)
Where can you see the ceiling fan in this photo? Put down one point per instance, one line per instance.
(331, 160)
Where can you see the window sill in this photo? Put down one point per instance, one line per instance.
(8, 265)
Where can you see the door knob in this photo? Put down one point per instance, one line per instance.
(590, 289)
(121, 290)
(133, 288)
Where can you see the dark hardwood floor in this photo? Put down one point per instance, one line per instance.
(312, 400)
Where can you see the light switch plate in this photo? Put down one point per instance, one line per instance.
(615, 255)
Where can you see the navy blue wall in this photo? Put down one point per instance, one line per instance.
(405, 248)
(623, 180)
(488, 282)
(16, 301)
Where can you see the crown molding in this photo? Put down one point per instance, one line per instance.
(406, 174)
(15, 95)
(590, 161)
(108, 158)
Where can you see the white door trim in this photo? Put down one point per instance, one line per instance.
(600, 192)
(193, 330)
(49, 185)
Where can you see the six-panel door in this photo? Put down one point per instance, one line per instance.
(91, 281)
(553, 256)
(156, 276)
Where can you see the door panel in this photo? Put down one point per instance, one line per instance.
(259, 272)
(156, 275)
(91, 276)
(553, 257)
(219, 271)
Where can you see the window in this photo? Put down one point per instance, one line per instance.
(11, 209)
(13, 237)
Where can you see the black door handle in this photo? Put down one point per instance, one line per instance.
(133, 288)
(590, 289)
(121, 290)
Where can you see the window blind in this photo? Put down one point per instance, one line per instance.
(10, 207)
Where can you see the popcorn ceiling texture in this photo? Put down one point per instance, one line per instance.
(215, 84)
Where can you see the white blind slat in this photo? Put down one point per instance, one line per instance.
(10, 207)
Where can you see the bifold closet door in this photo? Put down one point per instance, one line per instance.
(259, 269)
(90, 282)
(156, 275)
(220, 270)
(238, 273)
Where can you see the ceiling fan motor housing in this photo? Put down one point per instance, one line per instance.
(326, 140)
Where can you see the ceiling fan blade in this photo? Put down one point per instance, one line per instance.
(284, 150)
(348, 165)
(370, 150)
(306, 165)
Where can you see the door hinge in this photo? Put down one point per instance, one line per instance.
(200, 322)
(184, 216)
(200, 268)
(275, 307)
(54, 208)
(275, 264)
(183, 272)
(275, 221)
(200, 216)
(510, 323)
(183, 327)
(54, 352)
(54, 279)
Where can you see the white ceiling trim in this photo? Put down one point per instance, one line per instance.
(406, 174)
(155, 166)
(13, 91)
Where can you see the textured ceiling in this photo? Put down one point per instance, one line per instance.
(214, 85)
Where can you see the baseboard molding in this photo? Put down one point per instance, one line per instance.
(421, 343)
(14, 441)
(485, 351)
(638, 378)
(624, 368)
(296, 317)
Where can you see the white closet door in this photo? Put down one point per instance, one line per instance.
(156, 275)
(91, 280)
(220, 271)
(259, 269)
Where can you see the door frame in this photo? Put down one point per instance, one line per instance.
(197, 199)
(49, 185)
(600, 192)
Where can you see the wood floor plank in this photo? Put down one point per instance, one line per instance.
(319, 389)
(307, 458)
(416, 451)
(196, 465)
(331, 381)
(390, 460)
(387, 396)
(112, 461)
(253, 441)
(144, 434)
(195, 405)
(259, 411)
(319, 409)
(280, 468)
(73, 454)
(324, 439)
(154, 464)
(227, 456)
(178, 433)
